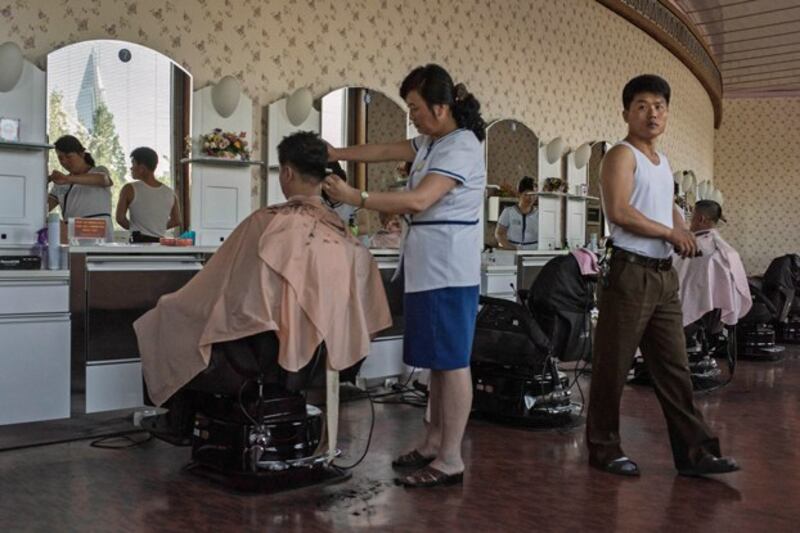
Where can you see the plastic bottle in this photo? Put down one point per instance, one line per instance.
(53, 241)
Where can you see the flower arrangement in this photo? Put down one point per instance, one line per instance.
(225, 144)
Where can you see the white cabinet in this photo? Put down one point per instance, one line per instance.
(34, 347)
(221, 188)
(23, 164)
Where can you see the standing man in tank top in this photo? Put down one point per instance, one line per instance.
(639, 303)
(152, 206)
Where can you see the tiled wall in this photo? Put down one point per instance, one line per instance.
(757, 168)
(557, 67)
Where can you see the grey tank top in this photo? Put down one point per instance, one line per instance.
(150, 209)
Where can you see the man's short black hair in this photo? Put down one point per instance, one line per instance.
(306, 152)
(709, 209)
(145, 156)
(646, 83)
(526, 184)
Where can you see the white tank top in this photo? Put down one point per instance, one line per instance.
(652, 196)
(150, 209)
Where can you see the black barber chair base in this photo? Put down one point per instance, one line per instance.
(789, 332)
(757, 343)
(519, 396)
(268, 454)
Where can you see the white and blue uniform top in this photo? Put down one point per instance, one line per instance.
(443, 244)
(523, 230)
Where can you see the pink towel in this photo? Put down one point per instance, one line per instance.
(587, 261)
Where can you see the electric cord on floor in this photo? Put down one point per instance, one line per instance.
(369, 437)
(108, 442)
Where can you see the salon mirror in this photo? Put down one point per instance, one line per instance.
(345, 117)
(595, 221)
(512, 152)
(116, 96)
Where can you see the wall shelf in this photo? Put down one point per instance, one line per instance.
(221, 161)
(15, 145)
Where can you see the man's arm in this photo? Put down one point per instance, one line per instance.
(174, 215)
(125, 198)
(616, 181)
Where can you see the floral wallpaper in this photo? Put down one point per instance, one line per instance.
(757, 168)
(558, 67)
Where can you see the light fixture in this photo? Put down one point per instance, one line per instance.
(582, 155)
(11, 65)
(298, 106)
(555, 149)
(225, 96)
(717, 196)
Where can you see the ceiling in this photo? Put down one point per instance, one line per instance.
(756, 43)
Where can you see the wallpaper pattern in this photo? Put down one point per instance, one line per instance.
(557, 67)
(757, 168)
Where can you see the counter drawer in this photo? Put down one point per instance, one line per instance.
(25, 297)
(34, 368)
(498, 283)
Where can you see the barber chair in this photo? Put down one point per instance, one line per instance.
(515, 376)
(707, 340)
(251, 427)
(755, 332)
(781, 285)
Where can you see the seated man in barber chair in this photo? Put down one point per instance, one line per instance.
(288, 287)
(716, 279)
(713, 286)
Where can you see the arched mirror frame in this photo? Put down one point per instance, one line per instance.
(181, 112)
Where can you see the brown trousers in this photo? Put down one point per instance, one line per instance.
(640, 308)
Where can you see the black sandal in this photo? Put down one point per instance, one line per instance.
(428, 476)
(412, 459)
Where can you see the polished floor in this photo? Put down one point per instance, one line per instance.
(516, 480)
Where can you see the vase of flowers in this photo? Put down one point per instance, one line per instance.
(225, 145)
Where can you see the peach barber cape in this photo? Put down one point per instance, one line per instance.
(292, 269)
(714, 280)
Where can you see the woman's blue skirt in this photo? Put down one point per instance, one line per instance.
(439, 327)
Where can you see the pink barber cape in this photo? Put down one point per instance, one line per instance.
(293, 269)
(715, 280)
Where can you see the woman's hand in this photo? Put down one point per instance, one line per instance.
(59, 178)
(339, 191)
(331, 152)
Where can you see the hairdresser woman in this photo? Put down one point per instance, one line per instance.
(85, 191)
(441, 255)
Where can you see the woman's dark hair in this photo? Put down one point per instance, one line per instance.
(436, 87)
(526, 184)
(68, 144)
(145, 156)
(306, 152)
(646, 83)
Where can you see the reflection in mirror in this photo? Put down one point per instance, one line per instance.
(512, 152)
(595, 221)
(114, 97)
(356, 115)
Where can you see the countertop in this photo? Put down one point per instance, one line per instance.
(120, 248)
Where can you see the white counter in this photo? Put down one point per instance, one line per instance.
(43, 275)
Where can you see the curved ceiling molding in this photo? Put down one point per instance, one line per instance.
(667, 25)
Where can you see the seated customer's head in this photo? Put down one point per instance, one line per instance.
(706, 215)
(144, 161)
(303, 159)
